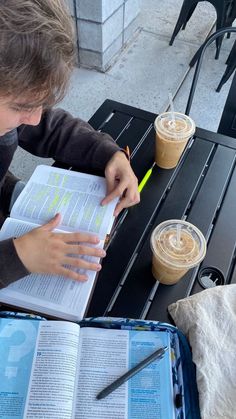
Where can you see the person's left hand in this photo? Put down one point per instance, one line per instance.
(121, 182)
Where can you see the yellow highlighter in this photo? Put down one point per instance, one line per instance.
(145, 179)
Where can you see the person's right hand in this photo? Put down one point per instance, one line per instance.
(44, 251)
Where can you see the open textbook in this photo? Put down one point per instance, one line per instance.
(77, 197)
(55, 369)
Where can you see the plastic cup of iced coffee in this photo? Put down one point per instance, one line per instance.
(177, 246)
(173, 130)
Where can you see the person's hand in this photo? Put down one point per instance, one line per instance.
(121, 182)
(44, 251)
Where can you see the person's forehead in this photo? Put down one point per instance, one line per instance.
(23, 102)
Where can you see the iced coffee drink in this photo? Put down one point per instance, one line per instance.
(173, 130)
(177, 246)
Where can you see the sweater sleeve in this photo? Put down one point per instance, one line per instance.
(68, 140)
(65, 139)
(11, 267)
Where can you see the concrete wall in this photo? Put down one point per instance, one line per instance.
(103, 28)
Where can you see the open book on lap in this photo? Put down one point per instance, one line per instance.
(77, 197)
(56, 369)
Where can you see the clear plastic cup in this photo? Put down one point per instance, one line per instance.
(176, 246)
(173, 130)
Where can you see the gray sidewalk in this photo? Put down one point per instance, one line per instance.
(148, 69)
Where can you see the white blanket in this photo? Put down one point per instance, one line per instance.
(208, 319)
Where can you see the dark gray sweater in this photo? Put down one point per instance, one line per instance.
(63, 138)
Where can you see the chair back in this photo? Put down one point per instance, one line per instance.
(204, 46)
(227, 124)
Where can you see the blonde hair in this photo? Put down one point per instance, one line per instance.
(37, 49)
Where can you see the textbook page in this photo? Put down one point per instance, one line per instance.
(38, 361)
(107, 354)
(53, 295)
(76, 196)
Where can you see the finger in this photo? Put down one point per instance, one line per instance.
(53, 223)
(116, 193)
(111, 182)
(80, 263)
(78, 237)
(119, 207)
(80, 249)
(68, 273)
(126, 202)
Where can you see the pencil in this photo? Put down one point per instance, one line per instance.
(127, 151)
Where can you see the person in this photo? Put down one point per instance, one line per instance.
(36, 59)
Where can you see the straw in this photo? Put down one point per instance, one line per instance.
(178, 235)
(172, 111)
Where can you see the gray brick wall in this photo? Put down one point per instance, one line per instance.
(103, 28)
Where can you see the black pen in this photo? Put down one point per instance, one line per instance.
(117, 383)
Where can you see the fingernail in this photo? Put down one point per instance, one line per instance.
(84, 278)
(98, 267)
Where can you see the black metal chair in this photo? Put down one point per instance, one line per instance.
(227, 124)
(231, 66)
(225, 12)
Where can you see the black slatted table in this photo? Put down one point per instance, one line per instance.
(202, 190)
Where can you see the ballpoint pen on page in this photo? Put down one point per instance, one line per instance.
(145, 178)
(117, 383)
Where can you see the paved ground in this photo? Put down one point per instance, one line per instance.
(148, 69)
